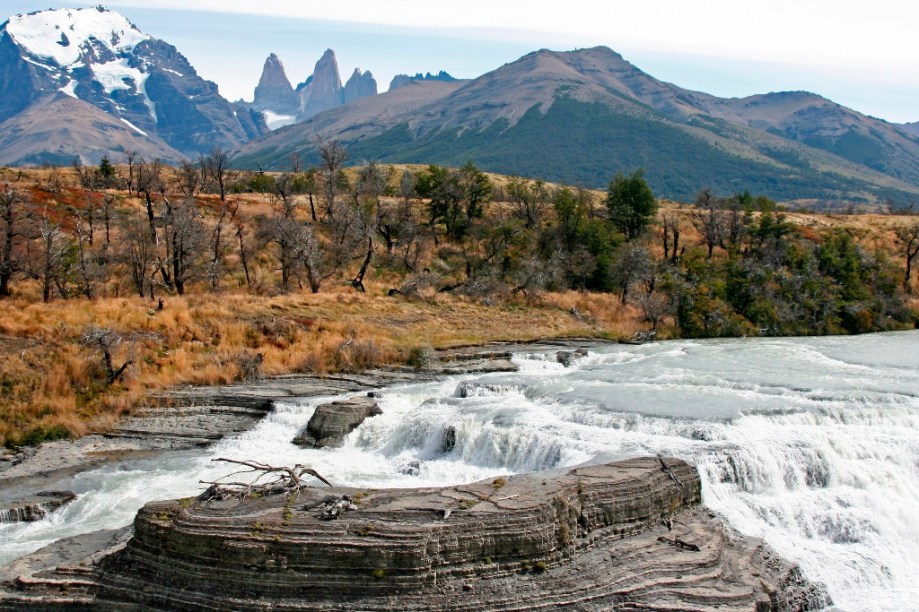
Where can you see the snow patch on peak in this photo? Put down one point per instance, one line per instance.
(61, 34)
(70, 89)
(118, 75)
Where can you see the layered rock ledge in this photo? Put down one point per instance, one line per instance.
(623, 536)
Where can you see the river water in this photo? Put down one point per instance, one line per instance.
(809, 443)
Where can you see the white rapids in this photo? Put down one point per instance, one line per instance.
(809, 443)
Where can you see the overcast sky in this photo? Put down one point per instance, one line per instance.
(864, 55)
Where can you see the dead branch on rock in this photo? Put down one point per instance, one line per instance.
(680, 543)
(666, 469)
(283, 480)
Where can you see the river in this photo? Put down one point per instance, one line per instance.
(809, 443)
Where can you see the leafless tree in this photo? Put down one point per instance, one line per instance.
(530, 199)
(908, 239)
(217, 247)
(241, 234)
(137, 251)
(631, 265)
(186, 241)
(106, 341)
(215, 167)
(108, 210)
(50, 268)
(708, 219)
(670, 225)
(89, 270)
(131, 158)
(12, 221)
(332, 155)
(189, 178)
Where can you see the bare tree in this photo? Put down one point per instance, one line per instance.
(136, 251)
(189, 178)
(332, 155)
(707, 219)
(217, 247)
(530, 198)
(215, 167)
(671, 237)
(244, 249)
(12, 220)
(50, 268)
(630, 266)
(106, 342)
(89, 270)
(131, 158)
(108, 210)
(290, 235)
(185, 241)
(908, 239)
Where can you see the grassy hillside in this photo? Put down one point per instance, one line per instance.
(540, 261)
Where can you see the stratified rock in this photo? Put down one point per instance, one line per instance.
(331, 422)
(594, 538)
(34, 508)
(274, 91)
(359, 86)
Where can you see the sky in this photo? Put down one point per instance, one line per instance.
(864, 55)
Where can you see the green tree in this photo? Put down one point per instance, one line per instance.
(106, 171)
(631, 204)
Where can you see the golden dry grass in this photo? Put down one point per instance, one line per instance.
(47, 378)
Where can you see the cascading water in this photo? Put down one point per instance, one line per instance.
(809, 443)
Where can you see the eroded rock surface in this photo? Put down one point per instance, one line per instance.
(593, 538)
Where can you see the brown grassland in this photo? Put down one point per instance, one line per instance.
(50, 383)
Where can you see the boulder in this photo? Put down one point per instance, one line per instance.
(567, 358)
(331, 422)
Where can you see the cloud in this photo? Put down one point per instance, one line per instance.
(812, 32)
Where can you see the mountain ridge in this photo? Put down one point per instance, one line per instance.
(484, 115)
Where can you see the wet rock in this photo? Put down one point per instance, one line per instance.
(331, 422)
(411, 468)
(448, 440)
(567, 358)
(34, 508)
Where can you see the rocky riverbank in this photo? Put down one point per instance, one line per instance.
(625, 536)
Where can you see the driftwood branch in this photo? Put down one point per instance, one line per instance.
(285, 480)
(680, 543)
(668, 471)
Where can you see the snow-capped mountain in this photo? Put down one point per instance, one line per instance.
(98, 56)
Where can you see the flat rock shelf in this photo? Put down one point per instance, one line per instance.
(622, 536)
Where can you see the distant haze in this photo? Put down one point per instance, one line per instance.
(860, 55)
